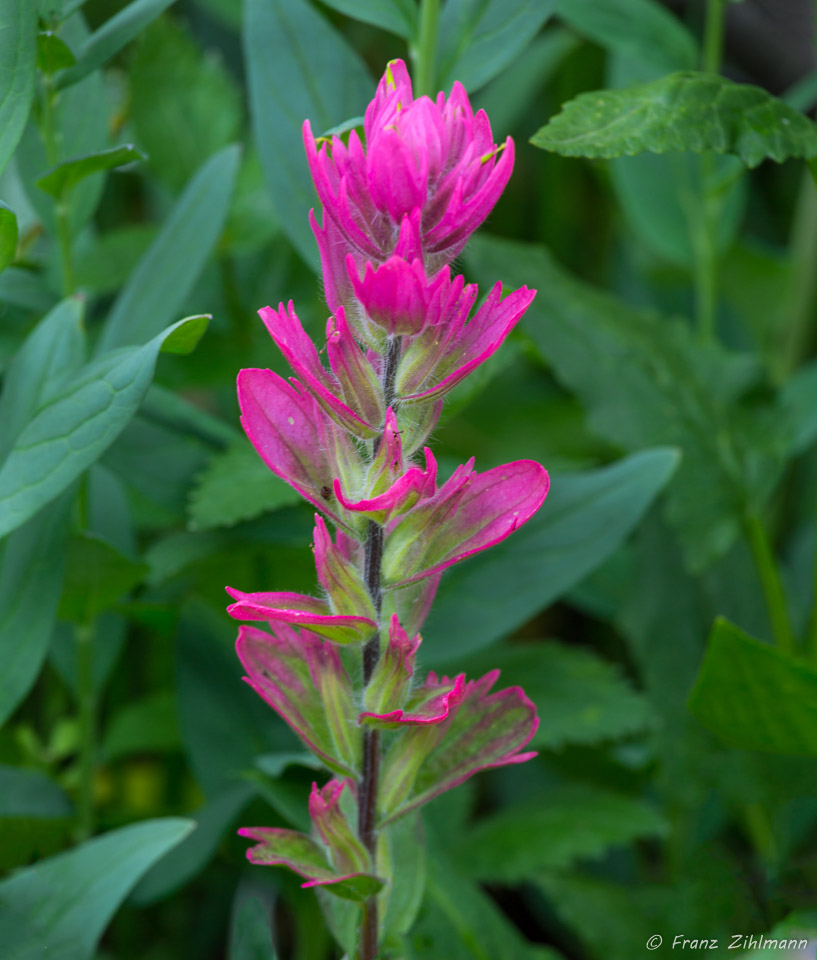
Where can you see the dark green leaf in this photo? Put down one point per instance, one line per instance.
(753, 696)
(8, 236)
(237, 485)
(53, 54)
(109, 39)
(160, 285)
(61, 179)
(61, 906)
(799, 396)
(585, 517)
(479, 38)
(298, 68)
(569, 823)
(74, 429)
(17, 72)
(29, 793)
(397, 16)
(148, 725)
(96, 576)
(252, 933)
(685, 112)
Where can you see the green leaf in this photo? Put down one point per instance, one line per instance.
(18, 67)
(8, 235)
(396, 16)
(799, 397)
(753, 696)
(237, 485)
(96, 576)
(148, 725)
(105, 265)
(29, 793)
(479, 38)
(579, 697)
(61, 906)
(111, 37)
(639, 29)
(645, 380)
(298, 67)
(61, 179)
(684, 111)
(159, 287)
(252, 933)
(567, 824)
(53, 54)
(585, 517)
(184, 104)
(74, 428)
(406, 851)
(24, 288)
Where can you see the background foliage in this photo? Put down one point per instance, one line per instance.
(659, 610)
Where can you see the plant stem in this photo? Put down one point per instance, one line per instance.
(49, 135)
(771, 581)
(425, 53)
(367, 794)
(87, 723)
(713, 36)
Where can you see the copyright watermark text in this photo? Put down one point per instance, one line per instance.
(738, 941)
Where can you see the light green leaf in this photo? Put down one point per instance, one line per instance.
(252, 933)
(53, 54)
(567, 824)
(18, 67)
(74, 428)
(61, 906)
(237, 485)
(96, 576)
(397, 16)
(108, 40)
(8, 235)
(298, 68)
(753, 696)
(159, 286)
(683, 111)
(31, 794)
(479, 38)
(585, 517)
(61, 179)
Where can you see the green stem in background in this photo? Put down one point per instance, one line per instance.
(49, 135)
(87, 729)
(771, 581)
(424, 53)
(811, 630)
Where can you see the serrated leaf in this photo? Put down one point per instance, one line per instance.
(96, 576)
(65, 176)
(8, 235)
(62, 905)
(97, 49)
(567, 824)
(237, 485)
(585, 517)
(753, 696)
(298, 68)
(53, 54)
(18, 68)
(683, 111)
(76, 427)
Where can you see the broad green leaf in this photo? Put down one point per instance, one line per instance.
(479, 38)
(24, 288)
(160, 285)
(184, 104)
(96, 576)
(61, 906)
(237, 485)
(396, 16)
(97, 49)
(251, 223)
(107, 644)
(252, 933)
(753, 696)
(579, 697)
(8, 236)
(569, 823)
(645, 380)
(53, 54)
(18, 68)
(213, 821)
(148, 725)
(65, 176)
(683, 111)
(585, 517)
(29, 793)
(105, 265)
(638, 29)
(74, 428)
(298, 68)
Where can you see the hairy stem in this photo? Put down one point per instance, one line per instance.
(425, 51)
(771, 581)
(367, 799)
